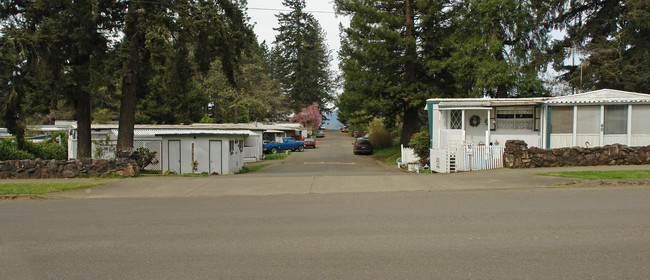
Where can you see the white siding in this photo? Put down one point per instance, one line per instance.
(231, 163)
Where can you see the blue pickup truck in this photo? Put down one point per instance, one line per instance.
(288, 143)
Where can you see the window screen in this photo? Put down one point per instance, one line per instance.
(616, 119)
(561, 119)
(456, 119)
(589, 119)
(640, 117)
(515, 118)
(538, 112)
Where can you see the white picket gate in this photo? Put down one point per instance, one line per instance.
(466, 157)
(408, 156)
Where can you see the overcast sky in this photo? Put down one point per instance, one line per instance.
(262, 14)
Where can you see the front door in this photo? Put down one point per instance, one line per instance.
(174, 158)
(215, 156)
(475, 126)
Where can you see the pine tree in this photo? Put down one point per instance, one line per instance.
(398, 53)
(258, 96)
(171, 45)
(60, 45)
(486, 48)
(301, 58)
(615, 37)
(381, 65)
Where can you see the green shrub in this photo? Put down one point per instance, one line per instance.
(420, 144)
(379, 137)
(145, 157)
(9, 151)
(48, 149)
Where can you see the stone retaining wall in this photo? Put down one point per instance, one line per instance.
(518, 155)
(41, 169)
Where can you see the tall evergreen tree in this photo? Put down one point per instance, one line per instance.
(59, 43)
(86, 34)
(192, 34)
(615, 37)
(301, 58)
(486, 48)
(381, 65)
(398, 53)
(14, 76)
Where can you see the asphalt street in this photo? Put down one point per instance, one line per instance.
(327, 214)
(552, 233)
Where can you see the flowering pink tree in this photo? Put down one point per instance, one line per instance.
(309, 117)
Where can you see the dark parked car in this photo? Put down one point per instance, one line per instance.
(362, 146)
(310, 143)
(320, 134)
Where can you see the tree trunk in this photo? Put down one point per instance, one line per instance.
(84, 144)
(411, 120)
(411, 124)
(81, 76)
(214, 111)
(13, 115)
(130, 85)
(410, 53)
(235, 114)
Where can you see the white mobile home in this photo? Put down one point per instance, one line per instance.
(104, 137)
(458, 126)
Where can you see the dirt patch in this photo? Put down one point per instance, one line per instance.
(616, 182)
(21, 197)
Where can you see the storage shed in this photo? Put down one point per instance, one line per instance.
(198, 151)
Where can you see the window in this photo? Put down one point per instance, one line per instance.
(562, 119)
(456, 119)
(231, 146)
(538, 112)
(493, 119)
(616, 119)
(588, 120)
(640, 116)
(515, 118)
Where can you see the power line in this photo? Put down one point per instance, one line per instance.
(287, 10)
(248, 8)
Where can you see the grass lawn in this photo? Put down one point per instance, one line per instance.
(602, 175)
(251, 168)
(277, 156)
(204, 174)
(41, 188)
(389, 155)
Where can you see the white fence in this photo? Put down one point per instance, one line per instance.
(252, 154)
(408, 156)
(107, 150)
(483, 157)
(466, 157)
(440, 161)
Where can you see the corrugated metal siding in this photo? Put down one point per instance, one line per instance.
(603, 96)
(154, 132)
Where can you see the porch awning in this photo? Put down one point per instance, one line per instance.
(272, 131)
(464, 108)
(457, 105)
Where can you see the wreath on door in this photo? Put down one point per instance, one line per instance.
(474, 121)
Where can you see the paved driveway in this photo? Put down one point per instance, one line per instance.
(333, 156)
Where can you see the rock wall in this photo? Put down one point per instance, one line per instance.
(518, 155)
(42, 169)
